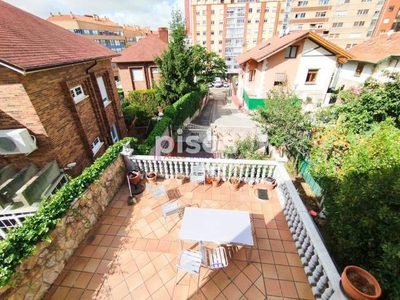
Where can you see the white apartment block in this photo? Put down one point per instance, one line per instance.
(231, 27)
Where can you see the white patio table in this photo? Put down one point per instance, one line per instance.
(217, 226)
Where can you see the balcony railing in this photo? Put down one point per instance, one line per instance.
(318, 265)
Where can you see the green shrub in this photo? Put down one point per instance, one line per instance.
(21, 241)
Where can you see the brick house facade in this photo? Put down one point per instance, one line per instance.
(136, 66)
(35, 93)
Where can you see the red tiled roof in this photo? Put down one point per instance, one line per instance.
(276, 44)
(377, 48)
(144, 50)
(28, 42)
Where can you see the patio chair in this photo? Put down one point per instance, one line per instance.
(214, 258)
(198, 174)
(189, 262)
(170, 209)
(157, 192)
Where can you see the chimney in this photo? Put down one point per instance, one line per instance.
(163, 34)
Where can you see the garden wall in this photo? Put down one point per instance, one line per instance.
(34, 276)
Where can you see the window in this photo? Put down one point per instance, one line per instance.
(391, 8)
(300, 15)
(337, 24)
(359, 69)
(280, 79)
(386, 21)
(311, 76)
(323, 2)
(362, 12)
(334, 35)
(302, 3)
(348, 46)
(212, 22)
(344, 1)
(96, 145)
(366, 0)
(221, 22)
(155, 70)
(213, 12)
(291, 52)
(252, 75)
(359, 24)
(320, 14)
(250, 10)
(77, 93)
(341, 13)
(103, 91)
(137, 74)
(197, 13)
(114, 133)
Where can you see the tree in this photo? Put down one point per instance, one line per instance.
(207, 65)
(282, 119)
(175, 64)
(356, 162)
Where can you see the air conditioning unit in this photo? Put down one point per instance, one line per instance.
(16, 141)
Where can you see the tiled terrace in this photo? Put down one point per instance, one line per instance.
(129, 254)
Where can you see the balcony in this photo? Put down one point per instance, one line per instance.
(130, 253)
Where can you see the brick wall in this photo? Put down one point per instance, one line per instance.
(42, 103)
(126, 76)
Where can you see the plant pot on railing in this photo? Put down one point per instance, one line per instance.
(151, 176)
(216, 181)
(270, 183)
(359, 284)
(234, 183)
(134, 177)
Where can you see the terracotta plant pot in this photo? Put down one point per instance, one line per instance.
(151, 176)
(180, 178)
(208, 180)
(216, 181)
(234, 183)
(134, 177)
(359, 284)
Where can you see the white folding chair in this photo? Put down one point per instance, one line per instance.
(214, 258)
(198, 174)
(189, 262)
(157, 192)
(170, 209)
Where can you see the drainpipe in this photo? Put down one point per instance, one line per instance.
(337, 74)
(95, 63)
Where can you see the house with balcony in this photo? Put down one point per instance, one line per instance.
(301, 60)
(59, 107)
(371, 58)
(136, 66)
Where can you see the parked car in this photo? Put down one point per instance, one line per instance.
(226, 84)
(217, 84)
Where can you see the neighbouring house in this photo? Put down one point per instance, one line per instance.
(302, 60)
(136, 65)
(371, 59)
(59, 107)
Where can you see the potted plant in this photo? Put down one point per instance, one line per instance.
(180, 178)
(234, 183)
(134, 176)
(359, 284)
(216, 181)
(151, 176)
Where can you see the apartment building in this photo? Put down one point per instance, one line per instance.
(134, 34)
(232, 27)
(99, 29)
(389, 18)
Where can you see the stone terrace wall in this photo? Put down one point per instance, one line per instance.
(36, 274)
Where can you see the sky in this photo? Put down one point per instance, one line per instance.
(152, 13)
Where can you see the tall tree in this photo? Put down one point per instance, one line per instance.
(175, 64)
(207, 65)
(282, 119)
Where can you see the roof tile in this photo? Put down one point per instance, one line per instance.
(28, 42)
(144, 50)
